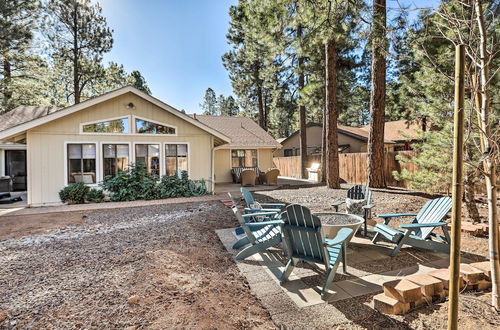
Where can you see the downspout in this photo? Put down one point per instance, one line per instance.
(212, 169)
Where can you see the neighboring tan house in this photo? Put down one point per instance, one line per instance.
(398, 136)
(48, 149)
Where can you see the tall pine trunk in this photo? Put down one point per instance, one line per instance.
(302, 114)
(7, 77)
(332, 145)
(376, 158)
(76, 71)
(323, 147)
(260, 104)
(489, 158)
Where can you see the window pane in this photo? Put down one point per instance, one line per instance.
(182, 149)
(74, 167)
(154, 150)
(147, 127)
(171, 150)
(74, 151)
(88, 151)
(110, 126)
(141, 150)
(109, 167)
(171, 166)
(109, 151)
(122, 151)
(182, 163)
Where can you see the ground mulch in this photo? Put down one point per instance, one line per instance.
(158, 267)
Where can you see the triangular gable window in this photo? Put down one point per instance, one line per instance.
(147, 127)
(115, 126)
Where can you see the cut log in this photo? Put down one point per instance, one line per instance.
(422, 301)
(471, 275)
(388, 305)
(444, 275)
(484, 266)
(402, 290)
(429, 285)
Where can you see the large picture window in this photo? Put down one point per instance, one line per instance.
(81, 163)
(149, 155)
(115, 159)
(114, 126)
(176, 158)
(244, 158)
(148, 127)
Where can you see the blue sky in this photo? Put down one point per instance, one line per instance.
(177, 45)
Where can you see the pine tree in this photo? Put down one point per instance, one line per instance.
(209, 105)
(79, 36)
(138, 81)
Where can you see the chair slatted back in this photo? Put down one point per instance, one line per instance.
(247, 195)
(433, 211)
(360, 192)
(243, 225)
(302, 233)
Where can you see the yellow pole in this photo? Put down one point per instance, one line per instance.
(456, 212)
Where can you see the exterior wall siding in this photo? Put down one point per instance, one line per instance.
(46, 144)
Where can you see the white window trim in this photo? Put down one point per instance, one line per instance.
(129, 117)
(101, 159)
(165, 156)
(134, 117)
(162, 160)
(231, 156)
(98, 173)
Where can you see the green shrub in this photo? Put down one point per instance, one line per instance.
(74, 193)
(95, 195)
(135, 183)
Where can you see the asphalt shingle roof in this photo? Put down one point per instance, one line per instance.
(23, 114)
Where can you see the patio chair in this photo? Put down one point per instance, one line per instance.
(248, 178)
(259, 235)
(419, 233)
(271, 176)
(253, 206)
(304, 240)
(359, 193)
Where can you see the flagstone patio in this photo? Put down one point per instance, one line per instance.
(369, 266)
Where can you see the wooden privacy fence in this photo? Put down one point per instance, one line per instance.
(353, 167)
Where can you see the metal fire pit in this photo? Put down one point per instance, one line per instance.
(332, 222)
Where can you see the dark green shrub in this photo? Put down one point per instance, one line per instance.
(74, 193)
(95, 195)
(135, 183)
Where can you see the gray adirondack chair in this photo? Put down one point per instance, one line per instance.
(259, 236)
(304, 240)
(359, 192)
(420, 232)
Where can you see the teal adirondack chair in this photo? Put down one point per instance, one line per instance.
(259, 235)
(419, 233)
(304, 240)
(267, 207)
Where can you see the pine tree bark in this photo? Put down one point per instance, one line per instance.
(260, 104)
(76, 71)
(302, 115)
(7, 77)
(323, 147)
(376, 157)
(332, 145)
(490, 158)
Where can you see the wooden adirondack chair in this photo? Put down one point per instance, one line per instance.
(419, 233)
(304, 241)
(359, 192)
(259, 235)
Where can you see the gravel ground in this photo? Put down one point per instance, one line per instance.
(158, 267)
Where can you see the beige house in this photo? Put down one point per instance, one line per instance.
(398, 136)
(51, 148)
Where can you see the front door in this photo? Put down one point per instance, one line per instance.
(15, 167)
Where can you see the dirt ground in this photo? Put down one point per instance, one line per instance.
(90, 274)
(163, 266)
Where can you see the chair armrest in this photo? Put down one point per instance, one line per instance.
(264, 223)
(250, 210)
(338, 203)
(261, 214)
(273, 204)
(369, 206)
(339, 239)
(423, 225)
(396, 215)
